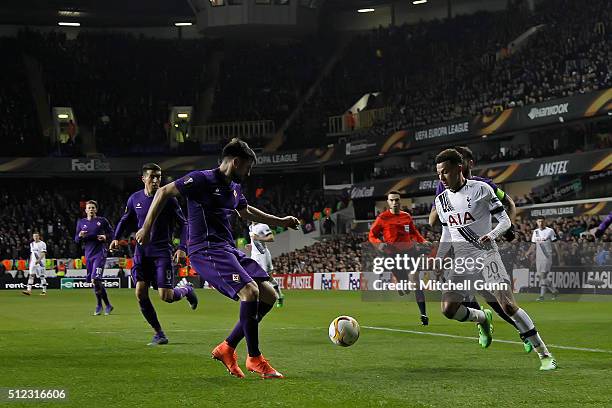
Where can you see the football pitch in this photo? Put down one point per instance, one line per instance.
(54, 342)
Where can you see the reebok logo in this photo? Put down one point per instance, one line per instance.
(535, 113)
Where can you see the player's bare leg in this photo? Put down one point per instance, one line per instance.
(526, 327)
(453, 308)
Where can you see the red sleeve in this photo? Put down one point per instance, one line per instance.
(375, 231)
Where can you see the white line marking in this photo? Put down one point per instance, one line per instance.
(226, 329)
(473, 338)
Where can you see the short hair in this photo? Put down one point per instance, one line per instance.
(94, 202)
(35, 233)
(150, 166)
(466, 152)
(451, 155)
(394, 192)
(238, 148)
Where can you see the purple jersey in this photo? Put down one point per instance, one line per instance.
(498, 192)
(211, 201)
(605, 223)
(161, 234)
(94, 227)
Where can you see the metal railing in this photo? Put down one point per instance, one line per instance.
(347, 123)
(216, 132)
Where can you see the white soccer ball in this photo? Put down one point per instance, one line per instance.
(344, 331)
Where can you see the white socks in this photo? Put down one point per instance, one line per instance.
(527, 329)
(473, 315)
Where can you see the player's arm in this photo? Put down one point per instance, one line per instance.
(445, 242)
(43, 255)
(180, 256)
(375, 232)
(508, 203)
(79, 235)
(251, 213)
(603, 226)
(269, 237)
(162, 195)
(129, 215)
(433, 216)
(510, 206)
(555, 244)
(107, 230)
(498, 211)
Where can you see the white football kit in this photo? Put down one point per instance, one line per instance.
(543, 238)
(37, 266)
(466, 216)
(259, 251)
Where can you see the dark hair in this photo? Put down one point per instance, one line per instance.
(466, 152)
(150, 166)
(394, 192)
(92, 202)
(451, 155)
(35, 233)
(238, 148)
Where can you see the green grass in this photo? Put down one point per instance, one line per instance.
(54, 342)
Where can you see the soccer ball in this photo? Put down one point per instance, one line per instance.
(344, 331)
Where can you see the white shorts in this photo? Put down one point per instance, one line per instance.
(37, 270)
(543, 266)
(493, 272)
(264, 260)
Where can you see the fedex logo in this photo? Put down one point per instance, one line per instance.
(329, 283)
(456, 219)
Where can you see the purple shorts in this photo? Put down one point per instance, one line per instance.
(155, 270)
(226, 269)
(95, 268)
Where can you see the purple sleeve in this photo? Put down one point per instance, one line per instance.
(126, 219)
(606, 223)
(439, 189)
(191, 183)
(77, 239)
(242, 201)
(180, 219)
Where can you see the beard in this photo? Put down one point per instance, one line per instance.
(237, 178)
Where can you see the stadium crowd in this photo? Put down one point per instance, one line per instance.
(344, 252)
(120, 86)
(52, 213)
(471, 70)
(18, 118)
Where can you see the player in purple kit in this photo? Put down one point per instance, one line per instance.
(601, 229)
(212, 197)
(506, 200)
(153, 262)
(93, 231)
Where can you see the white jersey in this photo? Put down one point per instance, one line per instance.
(543, 238)
(36, 252)
(261, 230)
(467, 214)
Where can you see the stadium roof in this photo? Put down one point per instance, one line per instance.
(95, 12)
